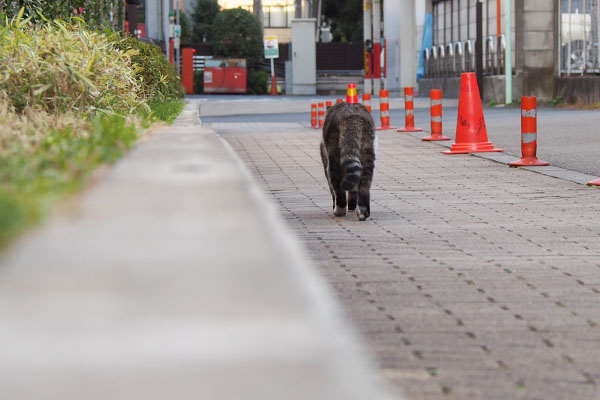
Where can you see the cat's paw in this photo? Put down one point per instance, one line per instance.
(339, 211)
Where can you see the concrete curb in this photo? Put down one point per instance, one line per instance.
(503, 158)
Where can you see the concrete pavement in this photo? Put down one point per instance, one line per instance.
(471, 280)
(172, 277)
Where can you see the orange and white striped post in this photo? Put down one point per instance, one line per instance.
(328, 105)
(321, 115)
(528, 135)
(409, 112)
(313, 116)
(366, 97)
(435, 98)
(351, 94)
(384, 111)
(339, 101)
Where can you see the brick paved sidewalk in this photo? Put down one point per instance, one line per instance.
(470, 281)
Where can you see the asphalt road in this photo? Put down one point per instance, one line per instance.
(567, 138)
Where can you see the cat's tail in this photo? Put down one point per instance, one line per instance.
(352, 170)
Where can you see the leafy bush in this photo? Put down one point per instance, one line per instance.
(95, 12)
(60, 66)
(237, 33)
(257, 82)
(158, 77)
(198, 82)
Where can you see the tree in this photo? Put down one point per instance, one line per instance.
(257, 10)
(236, 33)
(205, 13)
(346, 19)
(186, 29)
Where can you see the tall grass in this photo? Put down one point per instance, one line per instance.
(71, 98)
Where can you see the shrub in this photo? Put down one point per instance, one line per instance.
(257, 82)
(198, 82)
(237, 33)
(60, 66)
(158, 77)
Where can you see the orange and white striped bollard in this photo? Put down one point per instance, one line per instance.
(328, 105)
(435, 98)
(384, 111)
(313, 116)
(528, 135)
(321, 115)
(366, 97)
(409, 112)
(339, 101)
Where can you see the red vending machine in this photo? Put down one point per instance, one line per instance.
(225, 75)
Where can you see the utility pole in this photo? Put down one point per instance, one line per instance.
(376, 46)
(257, 9)
(166, 8)
(368, 45)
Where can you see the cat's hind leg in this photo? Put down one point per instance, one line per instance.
(352, 199)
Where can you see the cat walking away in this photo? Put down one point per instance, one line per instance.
(348, 154)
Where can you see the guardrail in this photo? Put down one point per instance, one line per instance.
(452, 59)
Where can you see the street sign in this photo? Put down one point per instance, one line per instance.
(271, 47)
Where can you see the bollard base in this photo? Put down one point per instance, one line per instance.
(529, 162)
(385, 128)
(410, 129)
(436, 137)
(595, 182)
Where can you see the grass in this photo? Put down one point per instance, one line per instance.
(165, 110)
(35, 177)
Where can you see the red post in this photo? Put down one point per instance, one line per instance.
(435, 97)
(528, 135)
(409, 112)
(367, 101)
(187, 69)
(384, 110)
(321, 115)
(313, 116)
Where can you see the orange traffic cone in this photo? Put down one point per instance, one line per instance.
(339, 101)
(528, 135)
(313, 116)
(471, 134)
(351, 94)
(435, 98)
(595, 182)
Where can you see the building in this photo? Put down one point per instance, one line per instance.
(555, 47)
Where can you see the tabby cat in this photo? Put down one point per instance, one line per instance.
(348, 154)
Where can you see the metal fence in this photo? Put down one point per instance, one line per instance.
(579, 53)
(452, 59)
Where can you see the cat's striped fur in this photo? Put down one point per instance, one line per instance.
(348, 154)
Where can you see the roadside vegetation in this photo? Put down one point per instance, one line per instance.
(72, 97)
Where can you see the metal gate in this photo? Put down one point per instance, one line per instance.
(578, 23)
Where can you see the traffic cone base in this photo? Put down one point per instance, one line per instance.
(410, 129)
(434, 138)
(529, 162)
(595, 182)
(464, 148)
